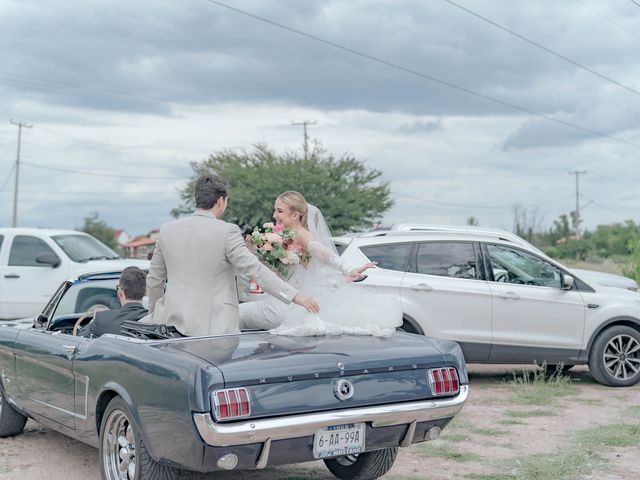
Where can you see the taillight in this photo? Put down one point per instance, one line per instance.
(254, 287)
(231, 403)
(444, 381)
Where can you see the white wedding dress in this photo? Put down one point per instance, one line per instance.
(345, 307)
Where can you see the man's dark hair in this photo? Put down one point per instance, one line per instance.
(133, 283)
(209, 188)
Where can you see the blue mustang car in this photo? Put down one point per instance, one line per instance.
(242, 401)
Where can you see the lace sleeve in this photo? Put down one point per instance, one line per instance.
(326, 256)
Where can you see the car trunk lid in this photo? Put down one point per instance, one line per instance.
(287, 375)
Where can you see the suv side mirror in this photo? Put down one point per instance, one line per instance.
(567, 282)
(48, 258)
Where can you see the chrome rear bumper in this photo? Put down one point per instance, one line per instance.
(294, 426)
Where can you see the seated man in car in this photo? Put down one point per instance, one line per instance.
(132, 286)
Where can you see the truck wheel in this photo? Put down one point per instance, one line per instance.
(363, 466)
(614, 358)
(11, 421)
(123, 455)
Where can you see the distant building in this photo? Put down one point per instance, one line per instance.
(121, 237)
(142, 246)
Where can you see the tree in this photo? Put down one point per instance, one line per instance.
(98, 228)
(473, 221)
(526, 222)
(350, 195)
(631, 268)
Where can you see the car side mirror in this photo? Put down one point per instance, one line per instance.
(48, 258)
(567, 282)
(41, 319)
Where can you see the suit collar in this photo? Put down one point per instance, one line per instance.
(204, 213)
(133, 305)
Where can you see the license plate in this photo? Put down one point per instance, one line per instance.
(339, 440)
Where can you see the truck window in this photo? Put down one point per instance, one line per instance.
(25, 249)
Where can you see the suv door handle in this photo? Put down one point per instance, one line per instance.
(422, 287)
(12, 275)
(509, 296)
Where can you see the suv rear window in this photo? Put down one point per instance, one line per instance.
(447, 259)
(389, 256)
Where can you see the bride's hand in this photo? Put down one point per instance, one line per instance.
(356, 273)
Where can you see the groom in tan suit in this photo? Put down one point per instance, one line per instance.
(197, 257)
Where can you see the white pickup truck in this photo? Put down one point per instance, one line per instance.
(35, 261)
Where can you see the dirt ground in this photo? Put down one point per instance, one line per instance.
(492, 438)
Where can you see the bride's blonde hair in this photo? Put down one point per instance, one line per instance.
(297, 203)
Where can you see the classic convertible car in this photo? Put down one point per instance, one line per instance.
(242, 401)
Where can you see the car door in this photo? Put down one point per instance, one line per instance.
(444, 284)
(25, 284)
(534, 319)
(44, 375)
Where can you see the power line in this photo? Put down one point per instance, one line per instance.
(600, 14)
(542, 47)
(423, 75)
(20, 125)
(305, 133)
(635, 3)
(86, 142)
(6, 181)
(488, 207)
(99, 174)
(62, 193)
(94, 93)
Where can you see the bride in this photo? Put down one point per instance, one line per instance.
(345, 308)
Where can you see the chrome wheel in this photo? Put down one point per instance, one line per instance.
(119, 447)
(621, 357)
(347, 460)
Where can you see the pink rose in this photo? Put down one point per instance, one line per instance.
(279, 228)
(273, 238)
(267, 247)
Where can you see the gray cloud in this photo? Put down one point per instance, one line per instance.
(422, 126)
(144, 88)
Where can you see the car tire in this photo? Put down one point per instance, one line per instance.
(122, 448)
(363, 466)
(106, 302)
(11, 421)
(614, 359)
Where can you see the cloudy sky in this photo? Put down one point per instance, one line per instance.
(468, 108)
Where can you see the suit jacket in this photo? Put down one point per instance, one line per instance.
(198, 257)
(109, 321)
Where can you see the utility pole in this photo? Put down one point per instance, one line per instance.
(15, 191)
(306, 136)
(578, 221)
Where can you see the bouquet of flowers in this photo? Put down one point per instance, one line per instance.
(275, 248)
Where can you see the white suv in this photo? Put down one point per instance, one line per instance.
(502, 300)
(35, 261)
(601, 278)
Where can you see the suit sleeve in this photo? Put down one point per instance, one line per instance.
(248, 264)
(157, 276)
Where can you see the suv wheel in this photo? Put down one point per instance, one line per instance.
(614, 359)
